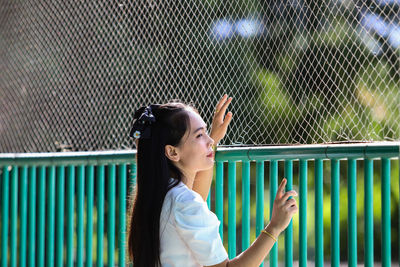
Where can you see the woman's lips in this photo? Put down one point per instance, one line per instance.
(211, 155)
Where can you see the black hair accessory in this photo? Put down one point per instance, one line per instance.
(143, 118)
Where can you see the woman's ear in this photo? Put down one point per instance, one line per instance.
(171, 153)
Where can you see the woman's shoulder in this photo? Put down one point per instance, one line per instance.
(182, 194)
(181, 201)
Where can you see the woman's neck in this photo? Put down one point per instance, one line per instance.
(188, 180)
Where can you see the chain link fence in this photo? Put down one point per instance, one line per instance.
(300, 72)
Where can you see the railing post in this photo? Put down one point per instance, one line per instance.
(303, 214)
(352, 212)
(245, 204)
(89, 215)
(368, 213)
(41, 216)
(31, 215)
(219, 196)
(319, 222)
(289, 229)
(335, 215)
(51, 200)
(100, 215)
(4, 215)
(259, 198)
(122, 214)
(13, 216)
(273, 187)
(80, 205)
(386, 233)
(23, 215)
(111, 214)
(231, 209)
(208, 201)
(70, 214)
(60, 215)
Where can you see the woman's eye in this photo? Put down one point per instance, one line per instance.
(200, 135)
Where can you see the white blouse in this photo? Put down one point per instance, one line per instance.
(189, 231)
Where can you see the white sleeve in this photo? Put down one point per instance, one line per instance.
(198, 228)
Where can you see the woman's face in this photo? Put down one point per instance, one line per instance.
(195, 150)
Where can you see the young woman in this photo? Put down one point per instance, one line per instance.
(170, 224)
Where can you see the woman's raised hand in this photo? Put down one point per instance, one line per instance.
(283, 209)
(220, 121)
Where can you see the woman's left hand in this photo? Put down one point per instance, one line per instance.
(220, 121)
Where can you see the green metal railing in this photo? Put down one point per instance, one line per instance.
(48, 183)
(83, 197)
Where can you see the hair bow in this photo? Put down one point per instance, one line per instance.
(143, 118)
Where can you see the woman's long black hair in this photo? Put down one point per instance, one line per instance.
(163, 125)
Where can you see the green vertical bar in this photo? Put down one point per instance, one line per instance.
(303, 214)
(335, 216)
(60, 215)
(386, 233)
(352, 212)
(259, 198)
(23, 215)
(319, 222)
(231, 209)
(273, 187)
(4, 215)
(111, 214)
(209, 201)
(219, 196)
(13, 216)
(80, 205)
(31, 215)
(100, 214)
(122, 214)
(245, 205)
(89, 215)
(289, 229)
(368, 214)
(70, 214)
(41, 216)
(51, 200)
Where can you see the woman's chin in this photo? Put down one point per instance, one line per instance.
(208, 165)
(211, 163)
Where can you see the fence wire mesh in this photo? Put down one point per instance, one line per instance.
(305, 71)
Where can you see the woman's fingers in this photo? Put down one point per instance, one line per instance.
(281, 188)
(227, 120)
(221, 103)
(292, 209)
(221, 122)
(288, 194)
(222, 106)
(291, 202)
(225, 106)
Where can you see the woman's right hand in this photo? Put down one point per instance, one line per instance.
(282, 213)
(283, 209)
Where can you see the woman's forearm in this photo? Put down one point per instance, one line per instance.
(256, 253)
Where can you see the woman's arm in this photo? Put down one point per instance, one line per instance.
(202, 181)
(282, 213)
